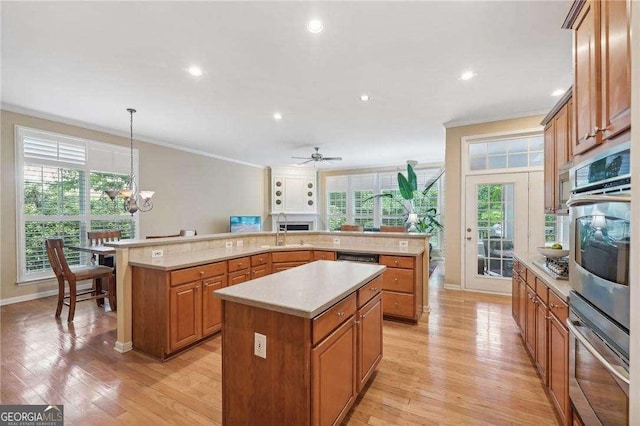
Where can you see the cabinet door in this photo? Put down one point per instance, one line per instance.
(616, 67)
(260, 271)
(561, 124)
(399, 304)
(522, 300)
(550, 170)
(369, 339)
(333, 375)
(530, 323)
(542, 333)
(211, 305)
(559, 366)
(324, 255)
(185, 315)
(586, 85)
(239, 277)
(515, 292)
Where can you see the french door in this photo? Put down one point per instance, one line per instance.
(501, 211)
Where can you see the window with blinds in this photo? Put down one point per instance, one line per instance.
(350, 200)
(61, 194)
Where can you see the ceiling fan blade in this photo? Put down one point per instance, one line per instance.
(305, 162)
(302, 158)
(332, 158)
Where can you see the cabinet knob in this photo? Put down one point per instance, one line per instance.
(395, 262)
(356, 322)
(340, 314)
(397, 303)
(201, 272)
(552, 305)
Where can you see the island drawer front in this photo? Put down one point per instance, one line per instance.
(398, 304)
(188, 275)
(331, 319)
(259, 259)
(279, 267)
(531, 279)
(369, 290)
(397, 261)
(558, 307)
(291, 256)
(239, 263)
(398, 280)
(324, 255)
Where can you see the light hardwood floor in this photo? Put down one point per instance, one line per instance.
(462, 364)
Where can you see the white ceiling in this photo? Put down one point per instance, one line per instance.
(86, 62)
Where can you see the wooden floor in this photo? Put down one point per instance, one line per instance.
(462, 364)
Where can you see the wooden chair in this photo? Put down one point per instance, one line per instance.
(98, 238)
(388, 228)
(64, 273)
(358, 228)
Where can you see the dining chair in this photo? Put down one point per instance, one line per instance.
(388, 228)
(63, 273)
(98, 238)
(359, 228)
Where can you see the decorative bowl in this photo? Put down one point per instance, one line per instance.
(549, 252)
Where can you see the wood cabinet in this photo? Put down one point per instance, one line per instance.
(172, 310)
(283, 260)
(260, 265)
(602, 70)
(402, 285)
(542, 316)
(558, 151)
(324, 255)
(369, 321)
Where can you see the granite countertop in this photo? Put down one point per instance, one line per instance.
(305, 291)
(201, 257)
(560, 287)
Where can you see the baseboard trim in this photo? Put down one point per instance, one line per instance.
(426, 309)
(40, 295)
(123, 347)
(452, 287)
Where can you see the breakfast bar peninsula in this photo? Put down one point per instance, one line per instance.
(299, 345)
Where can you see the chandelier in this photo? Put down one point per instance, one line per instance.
(134, 200)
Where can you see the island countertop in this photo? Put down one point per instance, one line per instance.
(305, 291)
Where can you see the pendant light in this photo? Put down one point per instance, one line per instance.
(134, 200)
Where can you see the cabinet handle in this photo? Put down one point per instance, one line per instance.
(397, 303)
(356, 322)
(552, 306)
(340, 314)
(363, 316)
(548, 318)
(201, 273)
(395, 261)
(597, 130)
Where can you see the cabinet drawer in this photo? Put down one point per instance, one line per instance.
(260, 259)
(239, 277)
(330, 319)
(398, 304)
(559, 308)
(370, 289)
(239, 263)
(279, 267)
(291, 256)
(542, 291)
(395, 279)
(324, 255)
(397, 261)
(197, 273)
(531, 279)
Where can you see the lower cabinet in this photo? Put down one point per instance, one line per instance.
(402, 287)
(541, 317)
(369, 320)
(172, 310)
(283, 260)
(260, 265)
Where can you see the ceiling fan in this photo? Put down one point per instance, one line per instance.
(316, 157)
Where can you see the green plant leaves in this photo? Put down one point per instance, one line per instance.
(406, 190)
(412, 178)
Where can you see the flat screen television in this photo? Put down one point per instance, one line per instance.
(245, 223)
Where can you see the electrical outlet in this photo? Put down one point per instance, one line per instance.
(403, 243)
(228, 244)
(239, 243)
(156, 253)
(336, 241)
(260, 345)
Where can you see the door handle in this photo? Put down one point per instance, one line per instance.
(468, 238)
(468, 229)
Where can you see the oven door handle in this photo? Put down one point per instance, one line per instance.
(578, 200)
(606, 364)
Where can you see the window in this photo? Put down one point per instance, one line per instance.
(507, 153)
(61, 183)
(350, 199)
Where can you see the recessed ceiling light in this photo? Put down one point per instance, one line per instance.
(467, 75)
(314, 26)
(557, 92)
(195, 71)
(277, 116)
(364, 97)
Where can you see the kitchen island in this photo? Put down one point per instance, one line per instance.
(299, 345)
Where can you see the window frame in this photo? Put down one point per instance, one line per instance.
(84, 216)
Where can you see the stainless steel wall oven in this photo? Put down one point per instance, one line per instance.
(600, 213)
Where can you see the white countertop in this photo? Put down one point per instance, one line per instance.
(195, 258)
(305, 291)
(560, 287)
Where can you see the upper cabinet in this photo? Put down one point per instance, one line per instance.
(602, 76)
(293, 190)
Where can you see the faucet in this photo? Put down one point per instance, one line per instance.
(284, 238)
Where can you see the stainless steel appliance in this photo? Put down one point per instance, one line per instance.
(598, 322)
(358, 257)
